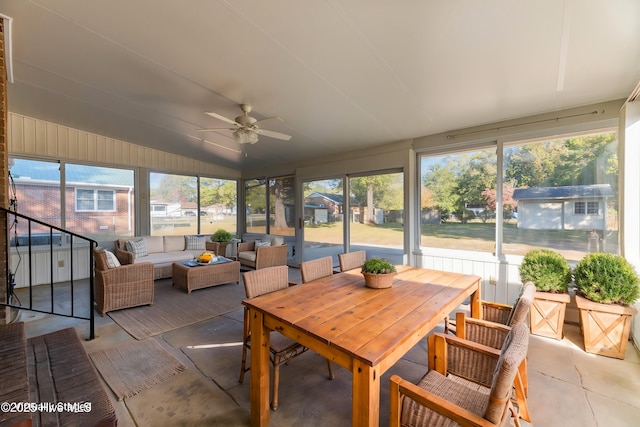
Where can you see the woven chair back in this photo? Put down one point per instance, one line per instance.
(316, 269)
(513, 352)
(351, 260)
(520, 311)
(265, 280)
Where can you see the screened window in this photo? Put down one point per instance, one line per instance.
(458, 200)
(543, 179)
(95, 200)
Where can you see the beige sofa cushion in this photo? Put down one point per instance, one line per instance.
(173, 243)
(155, 244)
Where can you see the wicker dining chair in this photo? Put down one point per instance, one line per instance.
(316, 269)
(351, 260)
(466, 384)
(493, 329)
(283, 349)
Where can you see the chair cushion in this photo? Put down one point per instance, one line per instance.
(193, 243)
(247, 255)
(455, 390)
(137, 247)
(111, 259)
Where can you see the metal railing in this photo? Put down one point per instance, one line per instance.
(58, 241)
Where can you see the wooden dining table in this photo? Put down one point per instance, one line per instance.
(364, 330)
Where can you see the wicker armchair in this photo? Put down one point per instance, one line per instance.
(316, 269)
(492, 333)
(467, 384)
(283, 349)
(121, 287)
(351, 260)
(262, 256)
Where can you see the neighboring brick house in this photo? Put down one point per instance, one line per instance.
(99, 201)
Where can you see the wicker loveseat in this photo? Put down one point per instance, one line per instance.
(161, 251)
(121, 286)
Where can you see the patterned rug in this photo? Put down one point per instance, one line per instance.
(135, 366)
(173, 308)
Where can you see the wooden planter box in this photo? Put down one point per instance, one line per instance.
(605, 327)
(546, 316)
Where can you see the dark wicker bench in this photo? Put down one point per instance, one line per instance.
(50, 368)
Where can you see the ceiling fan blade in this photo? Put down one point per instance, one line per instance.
(213, 129)
(223, 118)
(273, 134)
(269, 118)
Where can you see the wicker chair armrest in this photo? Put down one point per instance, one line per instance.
(270, 256)
(400, 388)
(212, 246)
(127, 273)
(125, 257)
(246, 246)
(472, 361)
(496, 312)
(481, 331)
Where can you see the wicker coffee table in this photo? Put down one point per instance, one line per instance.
(187, 275)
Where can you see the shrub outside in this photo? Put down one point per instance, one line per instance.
(548, 270)
(607, 279)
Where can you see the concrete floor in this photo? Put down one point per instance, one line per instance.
(567, 386)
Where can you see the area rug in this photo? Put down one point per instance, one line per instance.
(135, 366)
(173, 308)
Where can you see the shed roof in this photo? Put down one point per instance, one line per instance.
(565, 192)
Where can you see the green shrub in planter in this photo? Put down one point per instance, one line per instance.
(607, 279)
(221, 236)
(548, 270)
(378, 266)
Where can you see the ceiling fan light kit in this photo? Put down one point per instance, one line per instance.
(246, 130)
(245, 136)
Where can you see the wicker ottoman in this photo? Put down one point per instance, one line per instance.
(204, 276)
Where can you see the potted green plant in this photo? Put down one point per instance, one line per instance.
(606, 286)
(378, 273)
(550, 272)
(220, 240)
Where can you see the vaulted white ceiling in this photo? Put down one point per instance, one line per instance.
(343, 75)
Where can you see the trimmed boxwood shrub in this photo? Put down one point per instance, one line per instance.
(548, 270)
(607, 279)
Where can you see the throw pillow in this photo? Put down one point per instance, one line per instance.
(195, 243)
(261, 243)
(137, 247)
(112, 259)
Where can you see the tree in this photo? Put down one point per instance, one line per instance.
(282, 190)
(371, 190)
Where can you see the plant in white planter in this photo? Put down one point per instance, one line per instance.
(550, 272)
(606, 287)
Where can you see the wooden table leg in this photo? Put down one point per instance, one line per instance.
(365, 395)
(259, 387)
(475, 304)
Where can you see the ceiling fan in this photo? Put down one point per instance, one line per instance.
(246, 129)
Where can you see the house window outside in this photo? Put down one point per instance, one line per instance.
(593, 208)
(579, 208)
(95, 200)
